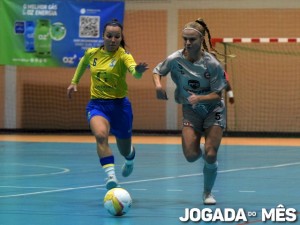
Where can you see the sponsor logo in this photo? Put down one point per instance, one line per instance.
(69, 60)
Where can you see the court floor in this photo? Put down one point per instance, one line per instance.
(57, 180)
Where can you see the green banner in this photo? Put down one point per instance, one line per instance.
(52, 32)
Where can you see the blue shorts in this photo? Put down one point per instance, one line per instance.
(118, 112)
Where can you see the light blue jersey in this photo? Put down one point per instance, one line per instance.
(201, 77)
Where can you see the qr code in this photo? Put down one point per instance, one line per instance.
(89, 26)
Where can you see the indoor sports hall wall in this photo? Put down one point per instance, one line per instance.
(265, 78)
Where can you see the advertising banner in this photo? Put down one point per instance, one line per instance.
(52, 33)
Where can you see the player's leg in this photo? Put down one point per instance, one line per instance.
(191, 133)
(128, 151)
(121, 127)
(100, 129)
(190, 142)
(213, 137)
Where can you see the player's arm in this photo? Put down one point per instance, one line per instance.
(138, 70)
(160, 92)
(211, 97)
(229, 92)
(81, 67)
(217, 84)
(162, 69)
(228, 89)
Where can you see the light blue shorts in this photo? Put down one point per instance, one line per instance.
(201, 120)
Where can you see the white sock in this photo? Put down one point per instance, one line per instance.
(110, 171)
(202, 149)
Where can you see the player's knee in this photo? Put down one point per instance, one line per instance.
(210, 159)
(191, 156)
(101, 137)
(211, 155)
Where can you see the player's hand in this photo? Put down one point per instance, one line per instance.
(193, 99)
(72, 88)
(161, 94)
(231, 100)
(141, 67)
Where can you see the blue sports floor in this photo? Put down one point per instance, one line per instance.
(49, 183)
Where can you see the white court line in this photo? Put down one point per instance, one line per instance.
(174, 190)
(50, 191)
(20, 187)
(147, 180)
(61, 170)
(139, 189)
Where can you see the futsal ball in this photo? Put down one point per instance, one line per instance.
(117, 201)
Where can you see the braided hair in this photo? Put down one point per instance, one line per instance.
(212, 49)
(203, 24)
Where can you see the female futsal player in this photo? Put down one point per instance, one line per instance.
(199, 80)
(109, 110)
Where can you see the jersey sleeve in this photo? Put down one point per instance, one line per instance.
(81, 67)
(218, 81)
(131, 64)
(163, 68)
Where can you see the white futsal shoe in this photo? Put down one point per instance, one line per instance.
(111, 182)
(208, 199)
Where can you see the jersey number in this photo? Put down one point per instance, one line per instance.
(95, 62)
(218, 116)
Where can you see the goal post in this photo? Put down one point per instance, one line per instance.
(265, 76)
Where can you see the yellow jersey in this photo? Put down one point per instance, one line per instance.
(108, 72)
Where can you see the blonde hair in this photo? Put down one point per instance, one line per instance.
(201, 27)
(195, 26)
